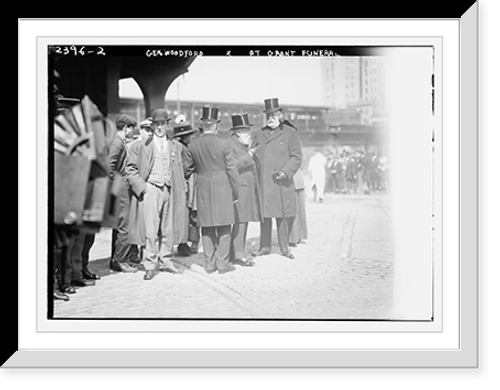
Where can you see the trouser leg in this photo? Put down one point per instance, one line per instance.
(294, 233)
(208, 239)
(65, 268)
(152, 223)
(223, 245)
(88, 242)
(301, 215)
(265, 235)
(284, 226)
(238, 239)
(320, 184)
(165, 235)
(57, 267)
(75, 253)
(121, 245)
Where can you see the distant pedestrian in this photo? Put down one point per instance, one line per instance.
(317, 166)
(351, 174)
(217, 188)
(279, 156)
(247, 209)
(157, 178)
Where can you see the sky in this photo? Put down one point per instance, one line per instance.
(293, 80)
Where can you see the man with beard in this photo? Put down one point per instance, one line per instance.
(280, 156)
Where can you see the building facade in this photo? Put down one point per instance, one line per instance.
(355, 83)
(318, 125)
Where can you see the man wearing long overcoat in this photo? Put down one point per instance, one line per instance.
(217, 183)
(280, 156)
(247, 209)
(156, 175)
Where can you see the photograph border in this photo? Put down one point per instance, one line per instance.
(466, 356)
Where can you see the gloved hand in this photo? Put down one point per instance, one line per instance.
(279, 176)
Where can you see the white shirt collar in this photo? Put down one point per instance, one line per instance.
(160, 141)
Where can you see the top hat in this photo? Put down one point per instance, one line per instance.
(240, 121)
(159, 114)
(183, 128)
(210, 115)
(123, 120)
(271, 105)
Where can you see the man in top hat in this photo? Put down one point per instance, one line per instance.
(118, 152)
(185, 133)
(247, 208)
(217, 190)
(157, 178)
(280, 157)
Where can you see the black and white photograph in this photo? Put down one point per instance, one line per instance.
(243, 182)
(221, 202)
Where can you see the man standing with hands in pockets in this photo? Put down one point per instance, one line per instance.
(156, 175)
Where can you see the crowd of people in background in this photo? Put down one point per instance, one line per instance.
(356, 171)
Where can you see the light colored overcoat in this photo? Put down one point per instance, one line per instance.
(138, 168)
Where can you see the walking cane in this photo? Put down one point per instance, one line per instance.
(283, 215)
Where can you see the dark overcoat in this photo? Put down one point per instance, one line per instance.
(278, 150)
(217, 182)
(137, 171)
(247, 209)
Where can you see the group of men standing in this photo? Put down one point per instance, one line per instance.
(179, 186)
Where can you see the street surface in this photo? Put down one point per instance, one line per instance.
(343, 271)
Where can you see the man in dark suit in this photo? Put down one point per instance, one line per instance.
(217, 186)
(121, 249)
(185, 134)
(247, 208)
(280, 156)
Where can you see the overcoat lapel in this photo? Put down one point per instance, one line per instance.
(275, 134)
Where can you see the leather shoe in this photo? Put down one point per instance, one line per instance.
(244, 262)
(210, 271)
(82, 283)
(184, 250)
(90, 276)
(289, 255)
(172, 270)
(68, 290)
(60, 296)
(230, 268)
(261, 252)
(150, 274)
(121, 267)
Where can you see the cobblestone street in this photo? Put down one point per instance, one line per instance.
(343, 271)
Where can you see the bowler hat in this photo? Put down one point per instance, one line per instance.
(209, 115)
(123, 120)
(183, 128)
(271, 105)
(159, 114)
(240, 121)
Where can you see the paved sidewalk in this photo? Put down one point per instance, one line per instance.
(343, 271)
